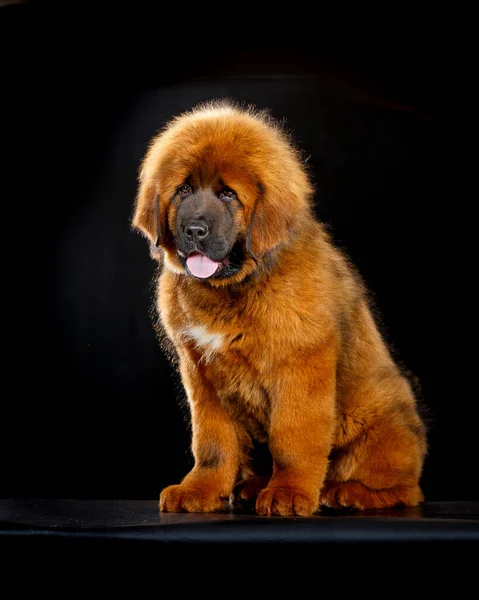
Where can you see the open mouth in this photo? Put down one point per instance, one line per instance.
(202, 266)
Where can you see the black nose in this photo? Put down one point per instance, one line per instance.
(196, 230)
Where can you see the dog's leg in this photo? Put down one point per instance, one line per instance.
(300, 436)
(384, 468)
(209, 485)
(381, 466)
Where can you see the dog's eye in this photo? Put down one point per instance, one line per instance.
(227, 194)
(184, 190)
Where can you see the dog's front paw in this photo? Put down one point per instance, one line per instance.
(183, 498)
(286, 501)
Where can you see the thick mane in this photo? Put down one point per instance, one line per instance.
(217, 138)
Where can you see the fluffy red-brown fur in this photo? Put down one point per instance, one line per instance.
(288, 353)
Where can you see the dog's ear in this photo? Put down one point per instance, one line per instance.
(150, 217)
(274, 217)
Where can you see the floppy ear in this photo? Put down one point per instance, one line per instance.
(149, 216)
(272, 220)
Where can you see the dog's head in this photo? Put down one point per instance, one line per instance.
(220, 189)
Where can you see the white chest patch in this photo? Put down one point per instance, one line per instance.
(207, 341)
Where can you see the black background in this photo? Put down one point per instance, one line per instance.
(89, 404)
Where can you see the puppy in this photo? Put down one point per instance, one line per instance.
(295, 399)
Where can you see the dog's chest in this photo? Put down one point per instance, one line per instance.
(218, 331)
(207, 342)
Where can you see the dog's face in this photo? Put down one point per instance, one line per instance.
(209, 230)
(220, 188)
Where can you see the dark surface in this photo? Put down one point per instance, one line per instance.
(61, 545)
(141, 520)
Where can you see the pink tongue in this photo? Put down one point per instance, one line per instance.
(201, 266)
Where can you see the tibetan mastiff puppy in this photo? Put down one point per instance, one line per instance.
(295, 399)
